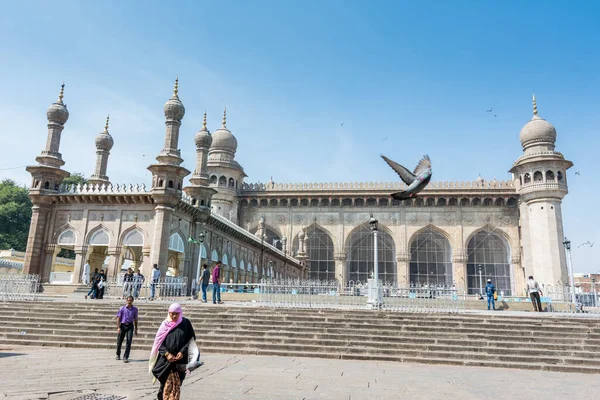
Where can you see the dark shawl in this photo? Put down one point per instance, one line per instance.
(176, 341)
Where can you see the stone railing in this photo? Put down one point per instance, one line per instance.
(259, 242)
(11, 264)
(260, 187)
(530, 186)
(539, 154)
(104, 189)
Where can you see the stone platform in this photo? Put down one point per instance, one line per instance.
(79, 374)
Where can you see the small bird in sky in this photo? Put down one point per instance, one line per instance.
(577, 173)
(588, 243)
(385, 138)
(342, 124)
(495, 115)
(490, 110)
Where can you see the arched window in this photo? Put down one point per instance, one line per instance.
(231, 182)
(526, 178)
(253, 203)
(419, 202)
(487, 202)
(453, 202)
(347, 202)
(176, 243)
(441, 202)
(222, 181)
(225, 259)
(359, 202)
(512, 202)
(304, 202)
(549, 176)
(244, 203)
(335, 202)
(47, 185)
(371, 202)
(214, 256)
(67, 238)
(99, 238)
(294, 203)
(320, 254)
(537, 176)
(430, 202)
(160, 183)
(490, 251)
(325, 203)
(464, 202)
(264, 203)
(430, 259)
(360, 261)
(213, 179)
(314, 203)
(134, 238)
(559, 176)
(273, 238)
(384, 202)
(521, 180)
(170, 184)
(283, 203)
(476, 202)
(273, 203)
(499, 202)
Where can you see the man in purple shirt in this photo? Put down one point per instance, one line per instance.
(216, 278)
(127, 323)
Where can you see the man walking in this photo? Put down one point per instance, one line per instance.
(534, 293)
(490, 289)
(93, 288)
(216, 278)
(127, 324)
(204, 280)
(155, 279)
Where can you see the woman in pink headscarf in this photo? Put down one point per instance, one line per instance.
(170, 350)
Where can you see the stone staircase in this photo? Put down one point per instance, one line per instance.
(567, 344)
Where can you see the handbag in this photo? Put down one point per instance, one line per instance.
(193, 358)
(495, 295)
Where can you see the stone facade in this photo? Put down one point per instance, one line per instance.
(453, 233)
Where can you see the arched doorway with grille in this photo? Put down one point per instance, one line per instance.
(430, 259)
(489, 252)
(320, 250)
(360, 250)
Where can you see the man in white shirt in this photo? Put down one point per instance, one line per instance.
(85, 274)
(534, 292)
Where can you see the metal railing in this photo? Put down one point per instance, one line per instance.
(167, 288)
(19, 287)
(560, 298)
(353, 295)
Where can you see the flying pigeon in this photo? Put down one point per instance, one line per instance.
(416, 181)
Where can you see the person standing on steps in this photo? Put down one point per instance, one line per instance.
(216, 278)
(204, 281)
(127, 325)
(490, 290)
(534, 292)
(155, 278)
(93, 288)
(85, 274)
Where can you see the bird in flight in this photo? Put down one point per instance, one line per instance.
(588, 243)
(385, 138)
(490, 110)
(577, 173)
(342, 124)
(416, 180)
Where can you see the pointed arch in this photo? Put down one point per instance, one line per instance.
(99, 236)
(176, 243)
(214, 256)
(320, 250)
(66, 235)
(203, 253)
(360, 251)
(134, 236)
(430, 257)
(489, 249)
(381, 228)
(225, 259)
(233, 262)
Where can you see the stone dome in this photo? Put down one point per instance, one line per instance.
(58, 113)
(104, 141)
(223, 139)
(174, 108)
(203, 138)
(538, 130)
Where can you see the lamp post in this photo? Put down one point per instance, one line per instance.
(270, 270)
(567, 244)
(594, 290)
(480, 268)
(375, 293)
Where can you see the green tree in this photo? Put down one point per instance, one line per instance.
(76, 178)
(15, 215)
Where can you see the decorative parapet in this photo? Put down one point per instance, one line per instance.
(369, 186)
(252, 237)
(11, 264)
(104, 189)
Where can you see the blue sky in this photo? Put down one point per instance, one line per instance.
(420, 74)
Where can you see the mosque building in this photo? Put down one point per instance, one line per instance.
(453, 233)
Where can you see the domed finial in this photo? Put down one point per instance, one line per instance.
(204, 122)
(225, 118)
(176, 89)
(535, 111)
(62, 93)
(106, 125)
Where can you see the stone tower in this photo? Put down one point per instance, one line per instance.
(226, 174)
(540, 176)
(104, 142)
(167, 180)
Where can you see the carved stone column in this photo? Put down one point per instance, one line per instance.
(34, 255)
(51, 251)
(341, 274)
(146, 263)
(520, 281)
(402, 268)
(459, 269)
(114, 261)
(160, 238)
(80, 259)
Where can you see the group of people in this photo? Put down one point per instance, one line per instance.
(132, 283)
(216, 277)
(533, 289)
(97, 282)
(174, 342)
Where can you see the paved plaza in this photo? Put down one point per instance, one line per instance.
(68, 374)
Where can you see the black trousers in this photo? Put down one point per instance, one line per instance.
(126, 331)
(537, 303)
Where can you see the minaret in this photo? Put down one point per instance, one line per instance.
(199, 189)
(225, 173)
(104, 142)
(540, 176)
(167, 181)
(47, 178)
